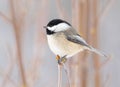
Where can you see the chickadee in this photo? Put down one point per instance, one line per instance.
(64, 41)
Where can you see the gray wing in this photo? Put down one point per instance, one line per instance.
(81, 41)
(77, 39)
(72, 36)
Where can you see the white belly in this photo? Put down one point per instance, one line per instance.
(59, 45)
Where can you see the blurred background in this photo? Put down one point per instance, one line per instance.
(25, 58)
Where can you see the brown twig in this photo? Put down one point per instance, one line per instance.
(95, 43)
(105, 62)
(76, 22)
(106, 9)
(68, 76)
(10, 67)
(5, 17)
(33, 73)
(106, 81)
(62, 13)
(8, 78)
(18, 44)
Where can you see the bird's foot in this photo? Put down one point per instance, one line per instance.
(61, 60)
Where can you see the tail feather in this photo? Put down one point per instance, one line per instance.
(97, 52)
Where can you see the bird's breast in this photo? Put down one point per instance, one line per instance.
(61, 46)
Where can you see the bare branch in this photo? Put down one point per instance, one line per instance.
(18, 43)
(106, 9)
(105, 62)
(5, 17)
(10, 66)
(60, 75)
(7, 78)
(61, 11)
(68, 76)
(7, 74)
(33, 73)
(106, 81)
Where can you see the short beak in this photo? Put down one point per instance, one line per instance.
(44, 26)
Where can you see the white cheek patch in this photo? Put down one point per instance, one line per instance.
(62, 27)
(52, 28)
(59, 27)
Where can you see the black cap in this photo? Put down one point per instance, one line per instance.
(56, 22)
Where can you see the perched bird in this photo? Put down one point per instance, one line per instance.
(64, 40)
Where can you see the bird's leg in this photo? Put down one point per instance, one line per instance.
(58, 59)
(61, 60)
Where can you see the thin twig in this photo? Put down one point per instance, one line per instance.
(33, 72)
(106, 9)
(60, 75)
(97, 77)
(105, 62)
(18, 43)
(67, 73)
(10, 66)
(107, 80)
(61, 11)
(5, 17)
(8, 78)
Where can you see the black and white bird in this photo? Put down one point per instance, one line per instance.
(64, 41)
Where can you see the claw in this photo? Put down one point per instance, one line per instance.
(61, 60)
(57, 57)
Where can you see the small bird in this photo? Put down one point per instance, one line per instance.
(64, 40)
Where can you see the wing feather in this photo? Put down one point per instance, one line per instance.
(74, 37)
(77, 39)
